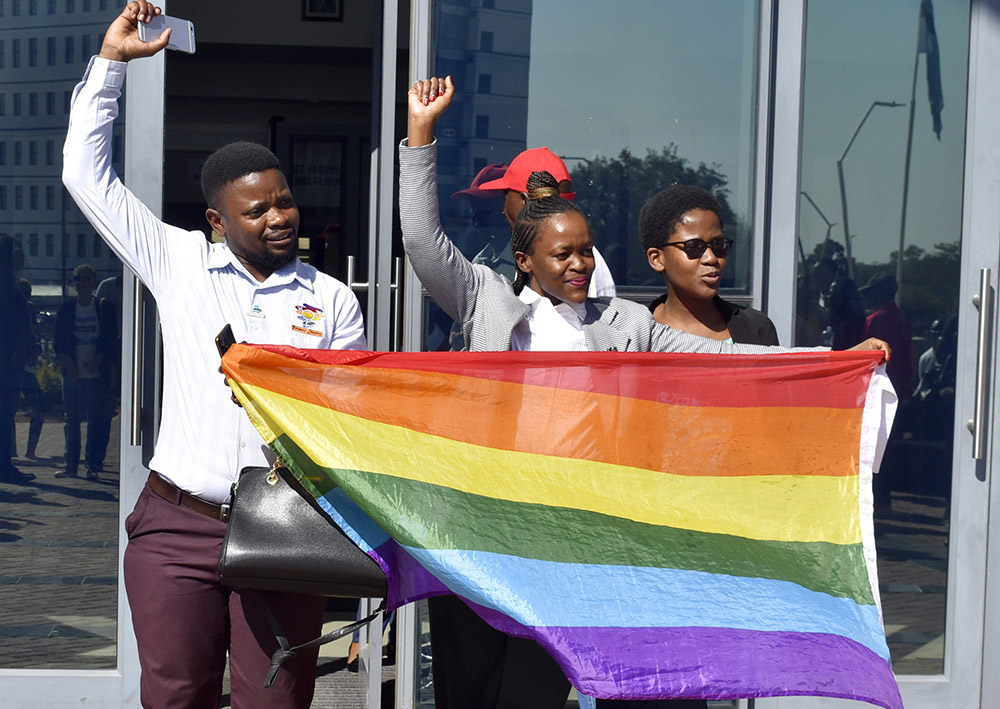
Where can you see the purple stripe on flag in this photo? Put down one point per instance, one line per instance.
(711, 663)
(408, 580)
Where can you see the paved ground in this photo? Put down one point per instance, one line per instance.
(58, 583)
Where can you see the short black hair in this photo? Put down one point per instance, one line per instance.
(543, 203)
(662, 213)
(231, 162)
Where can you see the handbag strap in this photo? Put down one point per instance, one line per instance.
(284, 652)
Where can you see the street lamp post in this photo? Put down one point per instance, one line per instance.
(843, 189)
(829, 224)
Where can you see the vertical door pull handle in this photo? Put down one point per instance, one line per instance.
(137, 329)
(977, 424)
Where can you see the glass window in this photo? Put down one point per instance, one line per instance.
(85, 48)
(1, 54)
(880, 251)
(15, 7)
(66, 596)
(70, 6)
(694, 124)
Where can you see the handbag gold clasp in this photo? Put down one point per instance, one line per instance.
(272, 474)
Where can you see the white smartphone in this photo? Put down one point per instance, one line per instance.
(182, 37)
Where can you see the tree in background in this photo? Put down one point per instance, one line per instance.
(611, 191)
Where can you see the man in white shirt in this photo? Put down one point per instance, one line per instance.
(185, 619)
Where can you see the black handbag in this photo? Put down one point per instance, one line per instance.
(280, 539)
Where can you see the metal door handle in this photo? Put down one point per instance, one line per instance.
(359, 287)
(397, 303)
(977, 424)
(137, 328)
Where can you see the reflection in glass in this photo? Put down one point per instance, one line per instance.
(865, 164)
(624, 92)
(59, 532)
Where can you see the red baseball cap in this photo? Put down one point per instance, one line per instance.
(529, 161)
(490, 172)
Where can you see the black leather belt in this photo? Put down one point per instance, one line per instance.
(173, 494)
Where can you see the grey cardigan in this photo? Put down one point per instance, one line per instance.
(484, 302)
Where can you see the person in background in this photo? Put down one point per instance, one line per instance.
(186, 621)
(14, 348)
(30, 388)
(887, 322)
(681, 231)
(514, 187)
(84, 342)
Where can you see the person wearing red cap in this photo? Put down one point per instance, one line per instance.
(514, 185)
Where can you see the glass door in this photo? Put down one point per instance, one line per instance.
(66, 633)
(891, 241)
(316, 83)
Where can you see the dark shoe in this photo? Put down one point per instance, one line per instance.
(16, 477)
(67, 473)
(92, 474)
(352, 666)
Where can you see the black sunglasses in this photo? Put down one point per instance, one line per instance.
(694, 248)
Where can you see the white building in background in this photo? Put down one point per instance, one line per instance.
(44, 47)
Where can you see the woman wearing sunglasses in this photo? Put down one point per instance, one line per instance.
(681, 231)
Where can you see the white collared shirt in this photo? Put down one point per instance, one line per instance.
(204, 438)
(548, 327)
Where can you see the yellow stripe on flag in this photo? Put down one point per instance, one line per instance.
(801, 508)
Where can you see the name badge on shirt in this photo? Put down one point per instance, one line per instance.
(256, 312)
(309, 317)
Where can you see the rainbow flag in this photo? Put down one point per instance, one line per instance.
(665, 525)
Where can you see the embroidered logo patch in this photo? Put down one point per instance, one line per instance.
(309, 317)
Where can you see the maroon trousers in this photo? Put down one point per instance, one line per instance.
(186, 620)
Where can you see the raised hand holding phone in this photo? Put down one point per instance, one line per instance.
(181, 32)
(121, 41)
